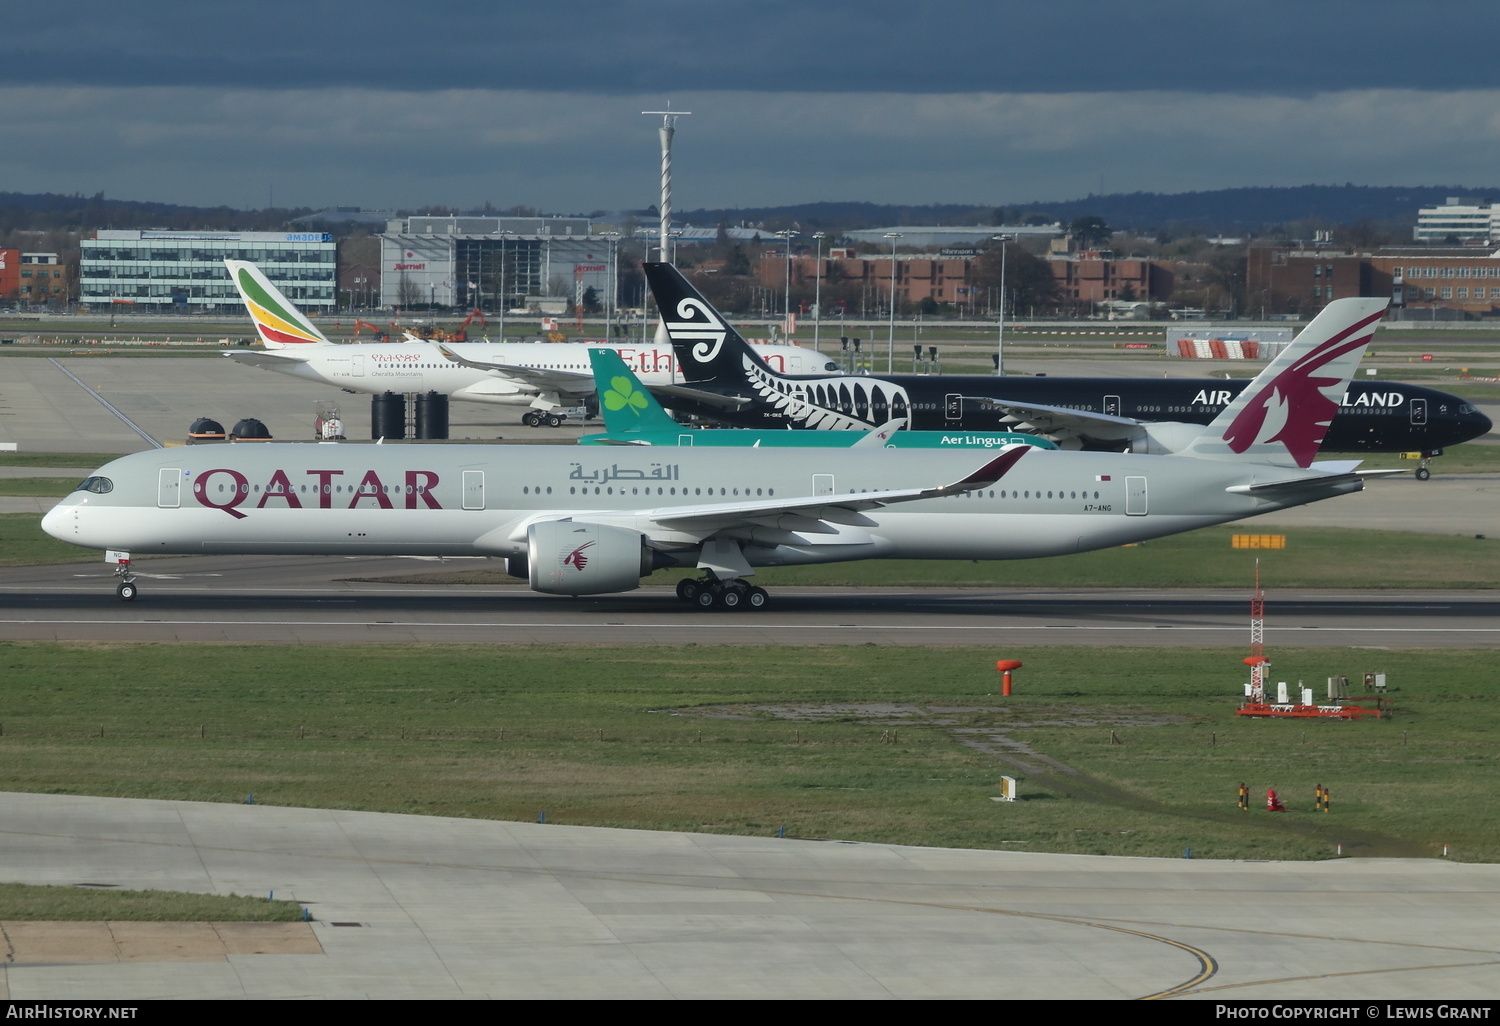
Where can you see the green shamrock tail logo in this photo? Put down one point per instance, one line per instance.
(622, 394)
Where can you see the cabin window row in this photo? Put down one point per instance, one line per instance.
(609, 490)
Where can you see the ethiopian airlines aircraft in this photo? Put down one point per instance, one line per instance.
(580, 520)
(539, 375)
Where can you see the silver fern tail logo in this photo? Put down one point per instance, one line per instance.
(831, 404)
(701, 326)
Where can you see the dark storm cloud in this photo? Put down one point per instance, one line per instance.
(895, 46)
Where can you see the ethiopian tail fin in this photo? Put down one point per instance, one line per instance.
(279, 323)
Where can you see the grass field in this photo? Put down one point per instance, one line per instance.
(862, 742)
(46, 487)
(81, 460)
(65, 904)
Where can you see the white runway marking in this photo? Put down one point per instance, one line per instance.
(761, 624)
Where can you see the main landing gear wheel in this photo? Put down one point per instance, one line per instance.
(733, 596)
(553, 420)
(126, 591)
(528, 418)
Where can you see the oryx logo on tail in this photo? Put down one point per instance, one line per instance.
(1286, 411)
(699, 325)
(1297, 406)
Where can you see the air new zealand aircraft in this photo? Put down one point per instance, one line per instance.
(726, 381)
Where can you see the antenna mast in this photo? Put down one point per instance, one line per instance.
(666, 131)
(1257, 658)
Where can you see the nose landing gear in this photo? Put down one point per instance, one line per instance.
(1424, 467)
(126, 588)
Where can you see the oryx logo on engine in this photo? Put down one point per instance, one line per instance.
(577, 559)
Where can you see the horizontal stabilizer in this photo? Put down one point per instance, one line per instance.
(665, 393)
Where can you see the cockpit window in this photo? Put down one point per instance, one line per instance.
(98, 485)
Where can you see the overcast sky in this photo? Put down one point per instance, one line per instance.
(381, 104)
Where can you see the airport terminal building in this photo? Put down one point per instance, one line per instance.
(183, 272)
(467, 262)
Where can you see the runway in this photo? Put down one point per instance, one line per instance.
(259, 599)
(427, 907)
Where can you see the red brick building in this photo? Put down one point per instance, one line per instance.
(43, 278)
(10, 273)
(1093, 276)
(1284, 280)
(1082, 278)
(943, 279)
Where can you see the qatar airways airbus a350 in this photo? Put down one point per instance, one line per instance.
(585, 520)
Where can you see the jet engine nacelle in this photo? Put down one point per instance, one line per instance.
(567, 557)
(1163, 438)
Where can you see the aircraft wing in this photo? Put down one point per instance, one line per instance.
(723, 402)
(1057, 422)
(264, 360)
(810, 510)
(536, 378)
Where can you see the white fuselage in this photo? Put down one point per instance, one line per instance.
(421, 367)
(480, 500)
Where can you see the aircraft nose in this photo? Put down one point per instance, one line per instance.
(55, 521)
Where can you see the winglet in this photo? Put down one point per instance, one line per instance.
(878, 437)
(986, 475)
(996, 468)
(277, 320)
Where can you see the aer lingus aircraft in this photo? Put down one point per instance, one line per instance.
(633, 417)
(723, 380)
(574, 520)
(541, 376)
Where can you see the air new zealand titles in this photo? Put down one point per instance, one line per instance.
(725, 381)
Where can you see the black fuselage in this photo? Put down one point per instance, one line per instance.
(1374, 416)
(716, 363)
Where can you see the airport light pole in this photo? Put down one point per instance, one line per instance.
(818, 289)
(609, 297)
(504, 235)
(1000, 338)
(786, 296)
(890, 342)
